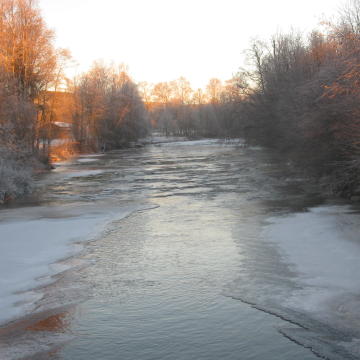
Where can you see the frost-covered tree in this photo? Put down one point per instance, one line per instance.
(109, 111)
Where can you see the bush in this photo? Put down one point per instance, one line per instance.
(15, 176)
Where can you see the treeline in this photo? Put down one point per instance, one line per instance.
(104, 103)
(302, 98)
(176, 109)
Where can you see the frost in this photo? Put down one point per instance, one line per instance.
(15, 176)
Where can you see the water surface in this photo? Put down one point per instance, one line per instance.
(174, 279)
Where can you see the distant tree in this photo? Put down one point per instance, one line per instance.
(214, 89)
(162, 92)
(350, 17)
(109, 111)
(145, 91)
(181, 91)
(199, 97)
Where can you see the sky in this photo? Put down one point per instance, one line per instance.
(161, 40)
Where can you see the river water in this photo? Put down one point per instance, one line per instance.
(186, 272)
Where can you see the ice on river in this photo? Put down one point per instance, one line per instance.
(322, 247)
(30, 245)
(304, 268)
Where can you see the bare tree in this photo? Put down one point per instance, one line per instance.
(214, 89)
(109, 111)
(162, 92)
(181, 90)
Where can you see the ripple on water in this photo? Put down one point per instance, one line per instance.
(163, 284)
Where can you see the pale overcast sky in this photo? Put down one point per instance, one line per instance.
(161, 40)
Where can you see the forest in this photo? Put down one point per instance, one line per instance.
(299, 96)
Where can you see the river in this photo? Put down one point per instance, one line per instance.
(179, 250)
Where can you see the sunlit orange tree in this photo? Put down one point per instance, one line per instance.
(30, 66)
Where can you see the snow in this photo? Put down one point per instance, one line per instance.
(203, 142)
(86, 160)
(30, 248)
(66, 173)
(183, 141)
(159, 139)
(91, 155)
(63, 124)
(323, 246)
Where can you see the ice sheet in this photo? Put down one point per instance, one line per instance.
(29, 249)
(323, 247)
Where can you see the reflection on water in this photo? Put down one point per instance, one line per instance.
(58, 322)
(157, 285)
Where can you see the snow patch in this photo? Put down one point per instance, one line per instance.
(195, 142)
(87, 160)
